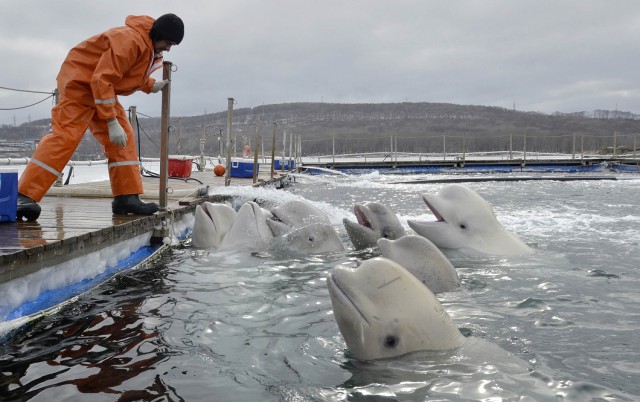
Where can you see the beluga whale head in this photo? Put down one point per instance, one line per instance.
(374, 221)
(211, 224)
(424, 260)
(249, 230)
(383, 311)
(467, 222)
(301, 228)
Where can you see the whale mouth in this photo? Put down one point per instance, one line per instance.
(206, 210)
(343, 297)
(361, 217)
(434, 211)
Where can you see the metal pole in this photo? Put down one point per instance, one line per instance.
(164, 135)
(202, 141)
(615, 144)
(464, 149)
(134, 125)
(230, 143)
(524, 150)
(284, 149)
(511, 146)
(273, 149)
(333, 151)
(444, 147)
(573, 147)
(255, 152)
(290, 148)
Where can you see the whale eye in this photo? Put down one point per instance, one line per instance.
(391, 341)
(463, 226)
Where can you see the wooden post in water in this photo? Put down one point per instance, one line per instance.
(164, 135)
(273, 149)
(230, 142)
(255, 152)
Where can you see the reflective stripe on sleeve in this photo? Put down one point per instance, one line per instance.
(104, 102)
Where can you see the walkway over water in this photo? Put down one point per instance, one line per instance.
(77, 220)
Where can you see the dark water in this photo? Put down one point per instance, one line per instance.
(198, 325)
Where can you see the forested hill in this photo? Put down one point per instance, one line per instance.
(417, 127)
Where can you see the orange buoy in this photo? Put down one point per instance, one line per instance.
(219, 170)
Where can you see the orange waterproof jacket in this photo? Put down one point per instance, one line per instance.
(118, 61)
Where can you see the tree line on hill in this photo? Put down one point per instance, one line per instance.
(324, 128)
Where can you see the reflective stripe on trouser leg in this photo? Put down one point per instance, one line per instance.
(124, 169)
(69, 120)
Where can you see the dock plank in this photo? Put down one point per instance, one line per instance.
(77, 219)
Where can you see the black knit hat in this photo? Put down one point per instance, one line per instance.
(168, 27)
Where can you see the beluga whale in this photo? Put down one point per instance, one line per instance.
(249, 231)
(299, 227)
(383, 311)
(467, 222)
(374, 221)
(211, 224)
(424, 260)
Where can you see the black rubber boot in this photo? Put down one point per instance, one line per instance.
(131, 204)
(27, 208)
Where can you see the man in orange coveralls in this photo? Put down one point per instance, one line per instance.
(116, 62)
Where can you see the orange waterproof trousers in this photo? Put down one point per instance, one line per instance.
(69, 121)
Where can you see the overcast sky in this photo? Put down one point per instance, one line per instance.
(543, 56)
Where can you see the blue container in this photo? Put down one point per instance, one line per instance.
(289, 164)
(242, 169)
(8, 196)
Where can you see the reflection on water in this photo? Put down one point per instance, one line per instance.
(204, 325)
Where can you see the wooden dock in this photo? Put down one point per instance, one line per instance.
(76, 220)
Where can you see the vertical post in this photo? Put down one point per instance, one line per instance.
(444, 148)
(524, 149)
(582, 147)
(273, 149)
(178, 144)
(290, 149)
(230, 143)
(333, 151)
(284, 150)
(464, 149)
(395, 150)
(615, 144)
(299, 161)
(573, 147)
(510, 146)
(634, 145)
(202, 141)
(255, 152)
(136, 129)
(164, 135)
